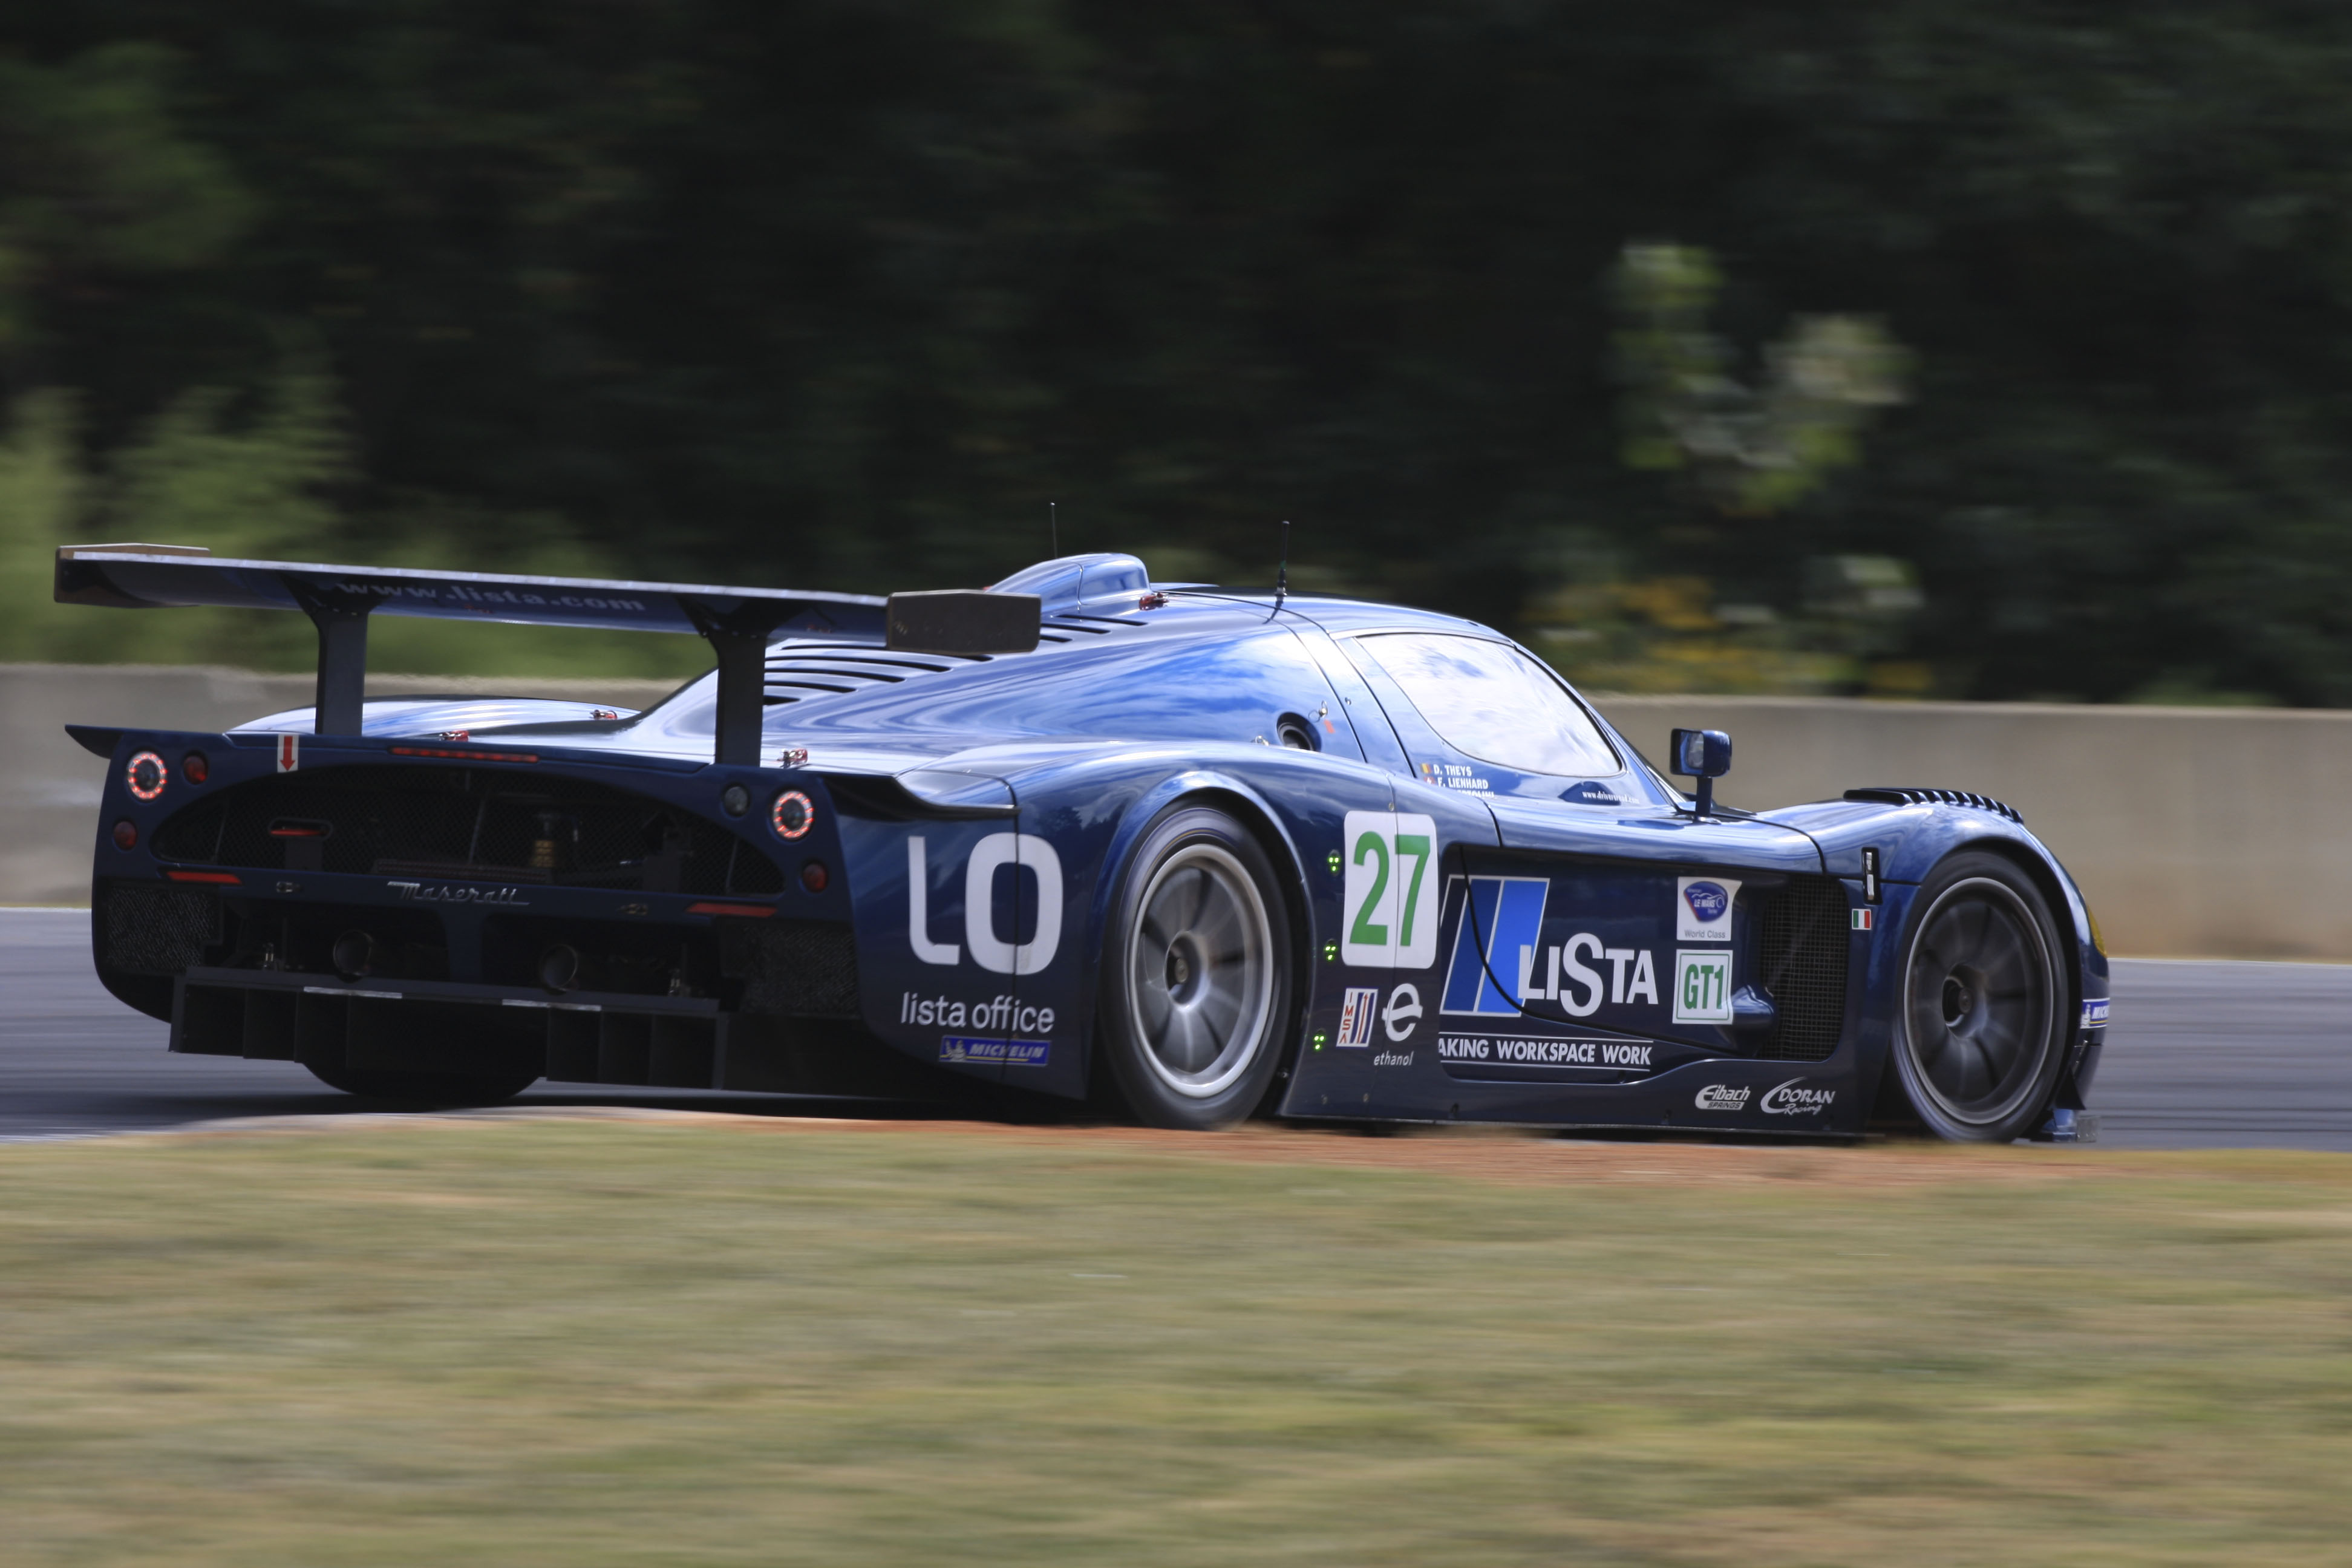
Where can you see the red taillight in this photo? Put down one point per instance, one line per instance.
(813, 875)
(226, 879)
(126, 834)
(196, 767)
(792, 814)
(146, 775)
(748, 911)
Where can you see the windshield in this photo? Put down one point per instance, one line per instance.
(1491, 701)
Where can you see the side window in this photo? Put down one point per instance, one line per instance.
(1489, 700)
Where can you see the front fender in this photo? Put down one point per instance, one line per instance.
(1912, 840)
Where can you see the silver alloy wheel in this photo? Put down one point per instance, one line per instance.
(1979, 990)
(1200, 963)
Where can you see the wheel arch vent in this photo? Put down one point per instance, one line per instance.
(1909, 795)
(1801, 956)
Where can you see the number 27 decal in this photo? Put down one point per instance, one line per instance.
(1390, 919)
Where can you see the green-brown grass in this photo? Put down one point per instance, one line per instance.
(579, 1344)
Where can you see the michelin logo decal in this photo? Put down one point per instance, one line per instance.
(962, 1050)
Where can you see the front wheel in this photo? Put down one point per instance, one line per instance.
(1983, 1028)
(1196, 974)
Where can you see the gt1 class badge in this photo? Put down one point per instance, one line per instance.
(1703, 987)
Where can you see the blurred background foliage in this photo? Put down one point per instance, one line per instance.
(1994, 351)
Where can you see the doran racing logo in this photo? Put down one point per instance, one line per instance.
(1721, 1097)
(1794, 1099)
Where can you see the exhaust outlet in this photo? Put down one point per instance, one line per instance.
(559, 967)
(354, 954)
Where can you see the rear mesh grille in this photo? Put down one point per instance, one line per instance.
(155, 930)
(462, 824)
(802, 969)
(1801, 954)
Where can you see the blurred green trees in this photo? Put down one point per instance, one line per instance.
(843, 294)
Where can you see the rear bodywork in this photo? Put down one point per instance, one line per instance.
(1470, 944)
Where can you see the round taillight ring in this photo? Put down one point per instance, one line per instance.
(194, 768)
(792, 814)
(147, 775)
(126, 834)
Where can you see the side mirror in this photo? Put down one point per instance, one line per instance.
(1703, 754)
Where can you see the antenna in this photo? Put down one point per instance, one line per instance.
(1282, 571)
(1053, 524)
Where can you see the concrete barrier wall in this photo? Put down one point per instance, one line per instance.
(2193, 831)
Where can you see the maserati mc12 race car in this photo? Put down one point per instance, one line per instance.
(1193, 854)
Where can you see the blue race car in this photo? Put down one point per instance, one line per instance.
(1195, 854)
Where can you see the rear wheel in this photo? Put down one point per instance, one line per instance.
(1196, 974)
(1982, 1030)
(426, 1088)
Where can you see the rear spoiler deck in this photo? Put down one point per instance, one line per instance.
(738, 623)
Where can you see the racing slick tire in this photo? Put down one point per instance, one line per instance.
(1981, 1028)
(1196, 974)
(448, 1089)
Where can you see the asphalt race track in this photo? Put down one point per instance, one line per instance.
(2202, 1055)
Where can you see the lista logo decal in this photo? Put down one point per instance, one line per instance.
(1004, 1013)
(990, 950)
(1508, 913)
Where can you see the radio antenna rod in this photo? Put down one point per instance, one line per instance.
(1053, 524)
(1282, 569)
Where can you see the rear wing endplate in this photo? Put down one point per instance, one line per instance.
(738, 623)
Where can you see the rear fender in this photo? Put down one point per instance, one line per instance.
(457, 715)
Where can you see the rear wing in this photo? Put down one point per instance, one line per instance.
(738, 623)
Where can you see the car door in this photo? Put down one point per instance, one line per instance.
(1610, 936)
